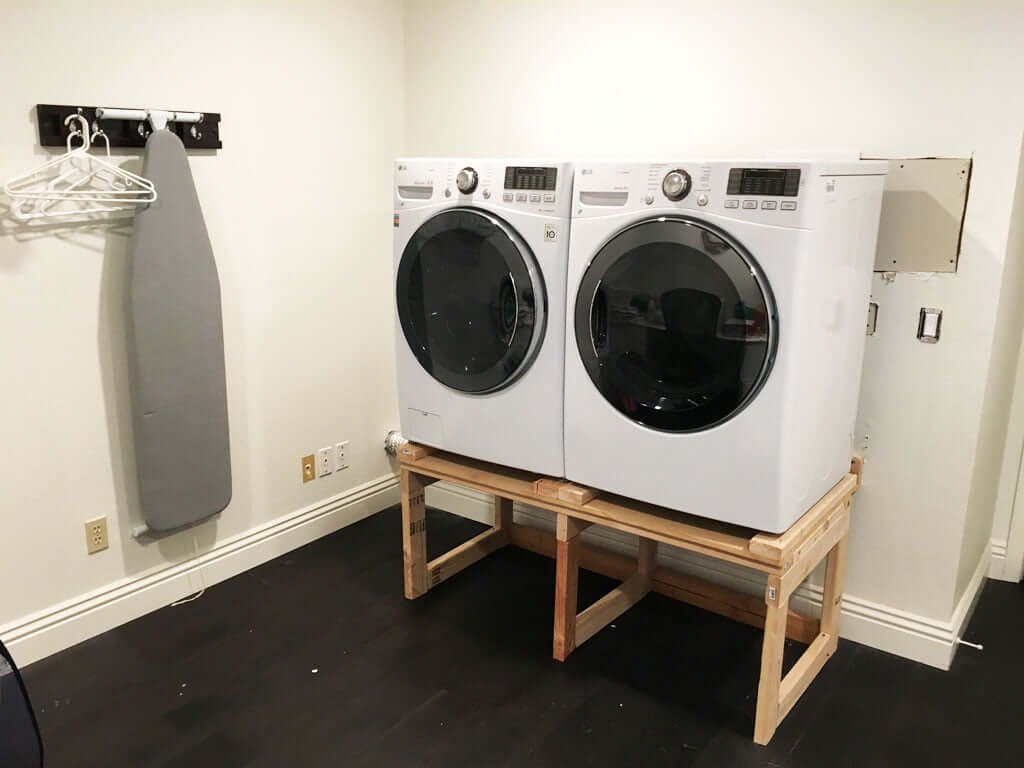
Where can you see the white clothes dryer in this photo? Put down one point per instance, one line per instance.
(715, 331)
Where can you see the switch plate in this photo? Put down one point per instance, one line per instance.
(324, 461)
(929, 325)
(341, 455)
(308, 468)
(96, 535)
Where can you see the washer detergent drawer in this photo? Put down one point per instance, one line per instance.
(423, 427)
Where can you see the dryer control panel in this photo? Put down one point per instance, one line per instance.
(524, 186)
(772, 193)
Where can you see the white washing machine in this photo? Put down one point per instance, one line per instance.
(715, 333)
(481, 248)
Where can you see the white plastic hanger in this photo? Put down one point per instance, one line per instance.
(78, 184)
(26, 183)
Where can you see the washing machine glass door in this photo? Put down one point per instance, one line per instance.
(676, 324)
(471, 300)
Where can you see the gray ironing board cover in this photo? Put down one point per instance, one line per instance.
(176, 350)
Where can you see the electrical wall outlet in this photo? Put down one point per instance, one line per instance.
(324, 461)
(308, 468)
(341, 455)
(96, 535)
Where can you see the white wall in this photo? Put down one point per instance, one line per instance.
(298, 209)
(305, 276)
(885, 79)
(1007, 544)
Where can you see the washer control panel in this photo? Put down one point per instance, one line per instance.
(541, 188)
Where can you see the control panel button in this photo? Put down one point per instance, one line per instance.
(534, 197)
(702, 199)
(769, 205)
(448, 192)
(788, 205)
(749, 205)
(732, 203)
(487, 194)
(520, 197)
(648, 199)
(506, 196)
(549, 198)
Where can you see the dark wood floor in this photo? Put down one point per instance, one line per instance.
(316, 659)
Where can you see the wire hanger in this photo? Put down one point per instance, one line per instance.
(78, 184)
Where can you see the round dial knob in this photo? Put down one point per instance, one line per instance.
(466, 180)
(676, 184)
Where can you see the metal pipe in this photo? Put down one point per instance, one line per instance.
(393, 441)
(153, 115)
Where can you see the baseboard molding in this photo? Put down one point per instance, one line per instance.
(997, 561)
(968, 602)
(879, 626)
(34, 637)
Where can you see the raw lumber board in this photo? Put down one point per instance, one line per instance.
(176, 350)
(679, 586)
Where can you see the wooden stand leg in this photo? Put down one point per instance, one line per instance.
(421, 575)
(832, 598)
(414, 534)
(572, 629)
(776, 695)
(567, 572)
(503, 514)
(647, 558)
(767, 718)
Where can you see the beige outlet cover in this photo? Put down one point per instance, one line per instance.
(96, 539)
(922, 214)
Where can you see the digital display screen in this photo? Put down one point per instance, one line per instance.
(542, 179)
(777, 182)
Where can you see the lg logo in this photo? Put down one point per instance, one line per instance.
(550, 233)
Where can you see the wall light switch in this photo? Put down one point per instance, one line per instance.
(324, 461)
(929, 325)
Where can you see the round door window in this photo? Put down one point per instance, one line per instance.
(470, 300)
(676, 324)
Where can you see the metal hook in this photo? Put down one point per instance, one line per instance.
(83, 131)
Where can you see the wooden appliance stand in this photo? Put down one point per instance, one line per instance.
(786, 559)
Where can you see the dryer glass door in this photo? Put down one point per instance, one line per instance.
(470, 300)
(676, 324)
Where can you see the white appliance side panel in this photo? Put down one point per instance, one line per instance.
(829, 314)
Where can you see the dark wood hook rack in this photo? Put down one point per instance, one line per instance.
(124, 133)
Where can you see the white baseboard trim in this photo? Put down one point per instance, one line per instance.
(997, 561)
(968, 602)
(879, 626)
(36, 636)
